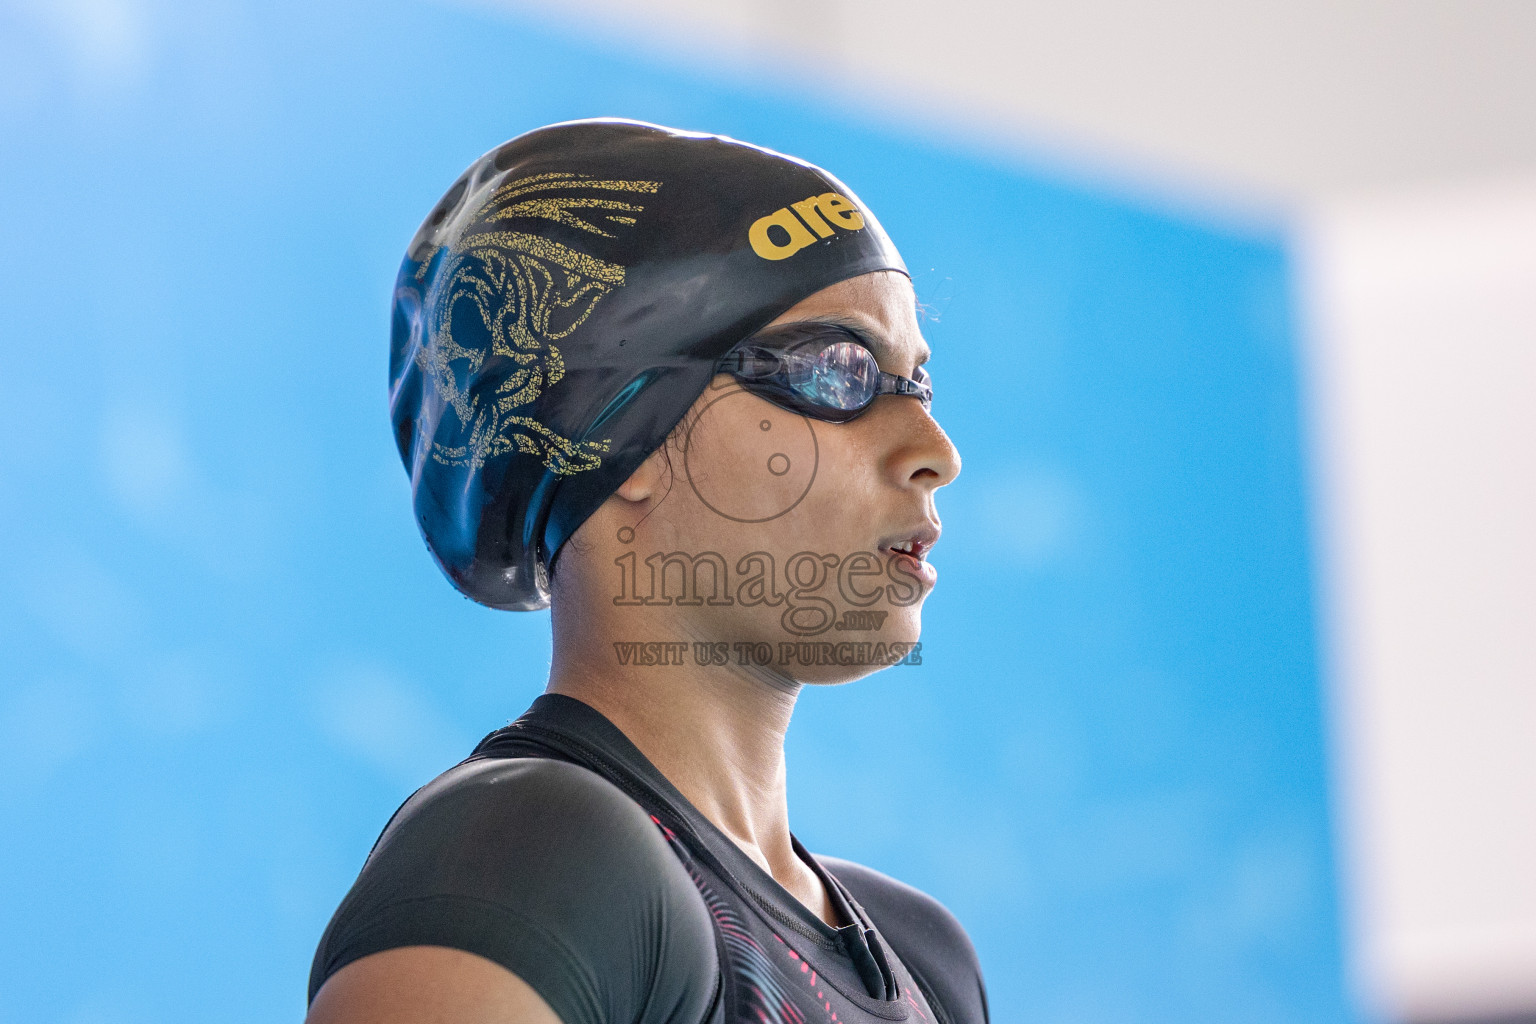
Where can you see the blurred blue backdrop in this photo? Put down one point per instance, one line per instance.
(227, 657)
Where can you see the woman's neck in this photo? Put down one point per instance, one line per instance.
(718, 737)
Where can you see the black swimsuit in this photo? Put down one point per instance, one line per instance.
(558, 851)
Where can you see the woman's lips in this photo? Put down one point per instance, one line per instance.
(911, 552)
(917, 567)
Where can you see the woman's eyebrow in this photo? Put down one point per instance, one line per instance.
(870, 336)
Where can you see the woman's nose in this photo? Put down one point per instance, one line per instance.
(924, 453)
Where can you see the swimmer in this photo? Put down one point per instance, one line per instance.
(669, 385)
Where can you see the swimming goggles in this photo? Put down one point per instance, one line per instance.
(817, 369)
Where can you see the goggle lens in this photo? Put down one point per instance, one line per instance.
(842, 375)
(818, 370)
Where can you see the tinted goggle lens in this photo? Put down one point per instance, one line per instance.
(819, 370)
(842, 375)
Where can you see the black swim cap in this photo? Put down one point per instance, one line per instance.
(565, 304)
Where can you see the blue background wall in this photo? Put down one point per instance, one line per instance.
(226, 656)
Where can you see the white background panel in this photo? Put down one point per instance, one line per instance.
(1424, 314)
(1275, 100)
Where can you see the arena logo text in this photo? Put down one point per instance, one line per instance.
(823, 214)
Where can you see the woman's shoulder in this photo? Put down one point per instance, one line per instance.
(500, 823)
(518, 799)
(546, 868)
(928, 938)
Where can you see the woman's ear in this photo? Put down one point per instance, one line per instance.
(645, 482)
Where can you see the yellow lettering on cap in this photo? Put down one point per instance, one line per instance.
(839, 210)
(764, 245)
(806, 208)
(822, 213)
